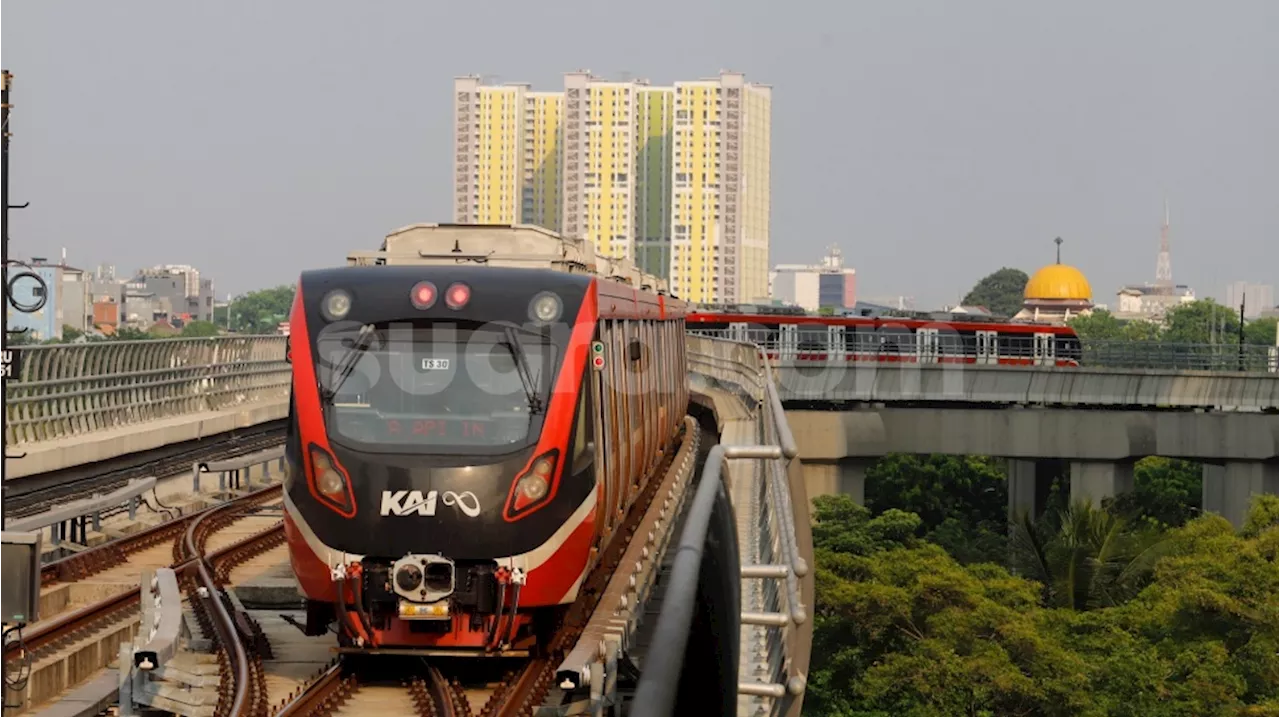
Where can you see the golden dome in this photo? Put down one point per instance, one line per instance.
(1058, 282)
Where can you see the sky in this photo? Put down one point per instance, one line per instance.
(934, 141)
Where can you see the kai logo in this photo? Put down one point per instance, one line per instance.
(414, 502)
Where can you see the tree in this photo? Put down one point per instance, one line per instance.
(260, 312)
(1166, 492)
(1261, 332)
(1001, 292)
(1099, 325)
(194, 329)
(1086, 557)
(1201, 322)
(962, 501)
(70, 333)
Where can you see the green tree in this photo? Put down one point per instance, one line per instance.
(1099, 325)
(1001, 292)
(1261, 332)
(199, 329)
(70, 333)
(128, 333)
(901, 629)
(1198, 322)
(1085, 556)
(260, 312)
(1141, 330)
(1166, 492)
(962, 501)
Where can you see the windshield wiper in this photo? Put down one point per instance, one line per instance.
(522, 367)
(348, 363)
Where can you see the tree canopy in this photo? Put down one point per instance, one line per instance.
(1196, 322)
(901, 628)
(258, 312)
(1000, 291)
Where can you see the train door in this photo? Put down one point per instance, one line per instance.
(988, 348)
(835, 343)
(606, 463)
(1043, 353)
(926, 346)
(740, 331)
(788, 341)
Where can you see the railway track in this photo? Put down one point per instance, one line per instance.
(462, 688)
(33, 494)
(68, 647)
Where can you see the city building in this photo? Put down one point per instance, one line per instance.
(1257, 298)
(65, 299)
(1150, 302)
(721, 192)
(507, 154)
(827, 285)
(1056, 294)
(183, 295)
(674, 179)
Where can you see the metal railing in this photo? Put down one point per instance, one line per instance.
(894, 344)
(73, 389)
(773, 542)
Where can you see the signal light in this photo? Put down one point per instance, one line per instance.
(423, 295)
(457, 296)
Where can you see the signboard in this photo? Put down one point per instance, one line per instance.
(10, 364)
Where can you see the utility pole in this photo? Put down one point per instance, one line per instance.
(6, 356)
(1241, 332)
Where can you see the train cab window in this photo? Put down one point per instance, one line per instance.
(465, 387)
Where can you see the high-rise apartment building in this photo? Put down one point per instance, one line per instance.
(506, 165)
(720, 191)
(675, 179)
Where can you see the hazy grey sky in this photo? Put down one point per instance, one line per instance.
(934, 141)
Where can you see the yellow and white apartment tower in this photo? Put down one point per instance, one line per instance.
(617, 149)
(507, 154)
(720, 190)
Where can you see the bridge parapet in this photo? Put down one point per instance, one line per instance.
(68, 390)
(755, 465)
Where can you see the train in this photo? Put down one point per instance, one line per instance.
(908, 338)
(473, 411)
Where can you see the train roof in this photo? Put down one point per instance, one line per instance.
(497, 245)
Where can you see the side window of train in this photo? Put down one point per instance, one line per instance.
(582, 437)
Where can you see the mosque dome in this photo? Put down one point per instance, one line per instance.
(1058, 282)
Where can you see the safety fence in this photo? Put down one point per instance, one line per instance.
(755, 463)
(64, 390)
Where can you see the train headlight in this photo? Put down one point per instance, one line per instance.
(336, 305)
(328, 479)
(533, 487)
(408, 577)
(545, 307)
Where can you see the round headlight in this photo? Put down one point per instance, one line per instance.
(533, 487)
(336, 305)
(545, 307)
(408, 577)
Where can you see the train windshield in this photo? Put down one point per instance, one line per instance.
(436, 389)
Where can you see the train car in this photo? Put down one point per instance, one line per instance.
(474, 409)
(897, 339)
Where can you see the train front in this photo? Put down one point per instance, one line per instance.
(441, 491)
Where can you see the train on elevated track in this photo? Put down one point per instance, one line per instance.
(474, 409)
(788, 332)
